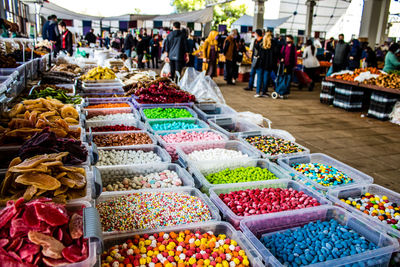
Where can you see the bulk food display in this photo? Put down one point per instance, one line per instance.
(127, 169)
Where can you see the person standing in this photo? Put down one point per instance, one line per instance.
(176, 49)
(241, 50)
(141, 50)
(90, 37)
(54, 34)
(45, 29)
(268, 61)
(66, 39)
(369, 57)
(340, 59)
(255, 48)
(289, 57)
(191, 45)
(311, 63)
(229, 52)
(107, 40)
(210, 52)
(354, 55)
(155, 51)
(129, 44)
(330, 49)
(391, 60)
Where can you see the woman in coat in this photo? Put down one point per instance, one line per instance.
(354, 55)
(311, 63)
(268, 60)
(210, 52)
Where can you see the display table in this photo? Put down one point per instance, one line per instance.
(366, 86)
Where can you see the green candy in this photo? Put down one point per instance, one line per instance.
(240, 175)
(167, 113)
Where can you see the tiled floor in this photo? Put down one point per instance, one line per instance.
(370, 145)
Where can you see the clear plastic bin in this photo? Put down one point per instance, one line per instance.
(138, 105)
(71, 87)
(144, 118)
(210, 165)
(205, 185)
(233, 126)
(209, 110)
(5, 83)
(234, 219)
(356, 191)
(201, 123)
(107, 89)
(275, 133)
(216, 227)
(146, 148)
(191, 191)
(111, 100)
(104, 95)
(171, 147)
(35, 68)
(101, 82)
(93, 112)
(153, 139)
(116, 173)
(358, 177)
(254, 228)
(132, 122)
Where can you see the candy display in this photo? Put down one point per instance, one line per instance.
(98, 73)
(120, 180)
(109, 105)
(267, 200)
(45, 176)
(240, 175)
(174, 125)
(378, 206)
(41, 233)
(272, 145)
(184, 248)
(126, 157)
(217, 154)
(166, 113)
(122, 139)
(148, 210)
(316, 242)
(112, 117)
(115, 128)
(323, 174)
(56, 93)
(187, 137)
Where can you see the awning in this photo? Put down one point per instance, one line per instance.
(199, 16)
(247, 20)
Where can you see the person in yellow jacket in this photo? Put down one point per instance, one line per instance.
(210, 52)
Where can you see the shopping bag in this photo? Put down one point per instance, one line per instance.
(330, 71)
(166, 70)
(283, 84)
(302, 77)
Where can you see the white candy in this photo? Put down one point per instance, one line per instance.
(126, 157)
(117, 116)
(216, 154)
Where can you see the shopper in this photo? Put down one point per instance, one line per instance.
(369, 57)
(90, 37)
(129, 44)
(392, 60)
(311, 63)
(155, 51)
(340, 59)
(45, 29)
(330, 49)
(191, 45)
(268, 61)
(355, 54)
(107, 40)
(229, 52)
(289, 57)
(66, 39)
(176, 49)
(255, 49)
(210, 53)
(241, 50)
(141, 50)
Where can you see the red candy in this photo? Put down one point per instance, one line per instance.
(114, 128)
(267, 200)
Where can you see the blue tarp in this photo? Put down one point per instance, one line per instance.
(247, 20)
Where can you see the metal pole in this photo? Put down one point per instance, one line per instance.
(309, 17)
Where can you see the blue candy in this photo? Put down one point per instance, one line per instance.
(174, 125)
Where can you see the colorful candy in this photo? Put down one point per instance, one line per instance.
(112, 117)
(217, 154)
(110, 105)
(166, 113)
(266, 200)
(186, 248)
(239, 175)
(323, 174)
(126, 157)
(122, 139)
(377, 206)
(316, 242)
(149, 210)
(115, 128)
(273, 146)
(188, 137)
(174, 125)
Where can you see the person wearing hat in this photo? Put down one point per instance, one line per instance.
(391, 60)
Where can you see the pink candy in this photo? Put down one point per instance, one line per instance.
(186, 137)
(267, 200)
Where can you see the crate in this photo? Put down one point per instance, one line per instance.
(348, 97)
(381, 105)
(233, 126)
(144, 117)
(327, 92)
(205, 185)
(149, 124)
(209, 110)
(254, 228)
(216, 227)
(235, 220)
(358, 177)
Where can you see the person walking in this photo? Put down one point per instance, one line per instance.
(340, 59)
(90, 37)
(311, 63)
(229, 52)
(141, 50)
(45, 29)
(176, 49)
(391, 60)
(129, 44)
(191, 45)
(66, 39)
(289, 57)
(241, 50)
(355, 54)
(269, 53)
(330, 49)
(54, 34)
(210, 52)
(255, 48)
(155, 51)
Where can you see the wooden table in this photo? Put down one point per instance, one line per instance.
(366, 86)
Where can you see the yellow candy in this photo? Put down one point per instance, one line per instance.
(197, 243)
(384, 198)
(161, 248)
(225, 263)
(207, 262)
(343, 200)
(150, 253)
(381, 211)
(192, 261)
(180, 239)
(353, 203)
(143, 250)
(147, 242)
(177, 258)
(109, 259)
(233, 242)
(171, 253)
(348, 202)
(169, 265)
(236, 260)
(226, 246)
(218, 265)
(148, 260)
(376, 207)
(172, 244)
(367, 194)
(372, 199)
(246, 262)
(242, 253)
(142, 261)
(141, 244)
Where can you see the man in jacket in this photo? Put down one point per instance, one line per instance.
(254, 57)
(129, 44)
(176, 49)
(90, 37)
(66, 38)
(54, 34)
(45, 29)
(340, 59)
(141, 50)
(229, 51)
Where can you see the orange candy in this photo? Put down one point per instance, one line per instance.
(110, 105)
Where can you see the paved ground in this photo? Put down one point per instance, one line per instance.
(367, 144)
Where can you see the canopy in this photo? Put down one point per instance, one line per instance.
(326, 14)
(199, 16)
(247, 20)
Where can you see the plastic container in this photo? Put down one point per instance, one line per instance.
(132, 122)
(101, 82)
(171, 147)
(67, 86)
(210, 165)
(205, 185)
(275, 133)
(191, 191)
(254, 228)
(93, 112)
(35, 68)
(216, 227)
(91, 135)
(201, 123)
(138, 105)
(146, 148)
(234, 219)
(111, 100)
(209, 110)
(191, 111)
(103, 89)
(356, 191)
(233, 126)
(118, 172)
(359, 178)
